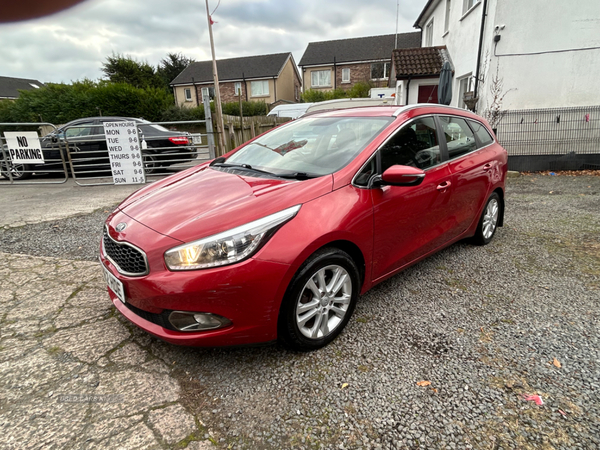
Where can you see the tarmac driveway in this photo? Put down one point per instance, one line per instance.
(452, 353)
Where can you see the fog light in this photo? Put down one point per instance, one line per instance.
(194, 321)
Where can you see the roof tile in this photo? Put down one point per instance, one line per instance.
(261, 66)
(9, 87)
(357, 49)
(421, 61)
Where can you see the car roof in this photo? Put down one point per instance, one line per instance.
(394, 111)
(105, 119)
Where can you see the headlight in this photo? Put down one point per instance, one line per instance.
(228, 247)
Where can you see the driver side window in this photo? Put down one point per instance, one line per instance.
(415, 144)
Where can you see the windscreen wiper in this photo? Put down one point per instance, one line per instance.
(289, 175)
(298, 175)
(244, 166)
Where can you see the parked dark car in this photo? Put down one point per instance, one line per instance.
(89, 153)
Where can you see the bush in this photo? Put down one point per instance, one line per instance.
(176, 113)
(61, 103)
(248, 108)
(359, 90)
(312, 95)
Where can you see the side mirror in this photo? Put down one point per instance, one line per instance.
(401, 176)
(54, 139)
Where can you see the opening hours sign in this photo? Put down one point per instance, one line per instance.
(125, 152)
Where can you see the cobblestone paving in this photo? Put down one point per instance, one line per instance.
(72, 375)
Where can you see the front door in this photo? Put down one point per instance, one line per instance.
(410, 221)
(428, 94)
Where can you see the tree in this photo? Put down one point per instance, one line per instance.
(125, 69)
(171, 66)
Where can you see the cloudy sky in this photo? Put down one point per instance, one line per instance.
(72, 45)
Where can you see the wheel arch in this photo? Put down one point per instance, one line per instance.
(355, 253)
(500, 193)
(285, 334)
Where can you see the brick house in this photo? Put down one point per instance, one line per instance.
(342, 63)
(268, 78)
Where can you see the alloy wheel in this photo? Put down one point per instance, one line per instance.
(323, 302)
(16, 170)
(490, 218)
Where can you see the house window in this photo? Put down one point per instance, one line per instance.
(380, 71)
(345, 75)
(210, 91)
(320, 78)
(238, 88)
(259, 88)
(468, 4)
(447, 20)
(464, 85)
(188, 94)
(429, 34)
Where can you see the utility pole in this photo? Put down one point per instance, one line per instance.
(218, 110)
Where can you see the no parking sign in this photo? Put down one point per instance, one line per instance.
(24, 147)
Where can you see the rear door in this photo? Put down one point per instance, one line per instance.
(471, 163)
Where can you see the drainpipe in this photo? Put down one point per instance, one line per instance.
(275, 88)
(245, 85)
(195, 92)
(334, 74)
(407, 88)
(483, 16)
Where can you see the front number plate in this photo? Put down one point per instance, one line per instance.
(114, 284)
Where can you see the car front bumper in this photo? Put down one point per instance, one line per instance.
(248, 293)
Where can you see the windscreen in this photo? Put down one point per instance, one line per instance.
(316, 146)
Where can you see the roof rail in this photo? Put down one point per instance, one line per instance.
(419, 105)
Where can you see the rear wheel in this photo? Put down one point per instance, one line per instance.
(18, 171)
(488, 223)
(320, 300)
(150, 163)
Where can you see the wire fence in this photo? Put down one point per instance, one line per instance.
(551, 139)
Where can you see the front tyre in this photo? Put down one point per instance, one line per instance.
(488, 223)
(17, 171)
(319, 301)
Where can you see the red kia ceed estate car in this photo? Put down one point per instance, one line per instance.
(277, 239)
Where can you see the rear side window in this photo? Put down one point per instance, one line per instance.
(460, 140)
(415, 144)
(80, 129)
(482, 133)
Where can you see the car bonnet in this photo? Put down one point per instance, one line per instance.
(209, 201)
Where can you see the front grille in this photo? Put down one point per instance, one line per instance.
(128, 259)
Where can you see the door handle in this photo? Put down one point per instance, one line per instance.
(443, 186)
(487, 167)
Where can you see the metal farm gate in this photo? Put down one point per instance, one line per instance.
(54, 167)
(88, 155)
(81, 151)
